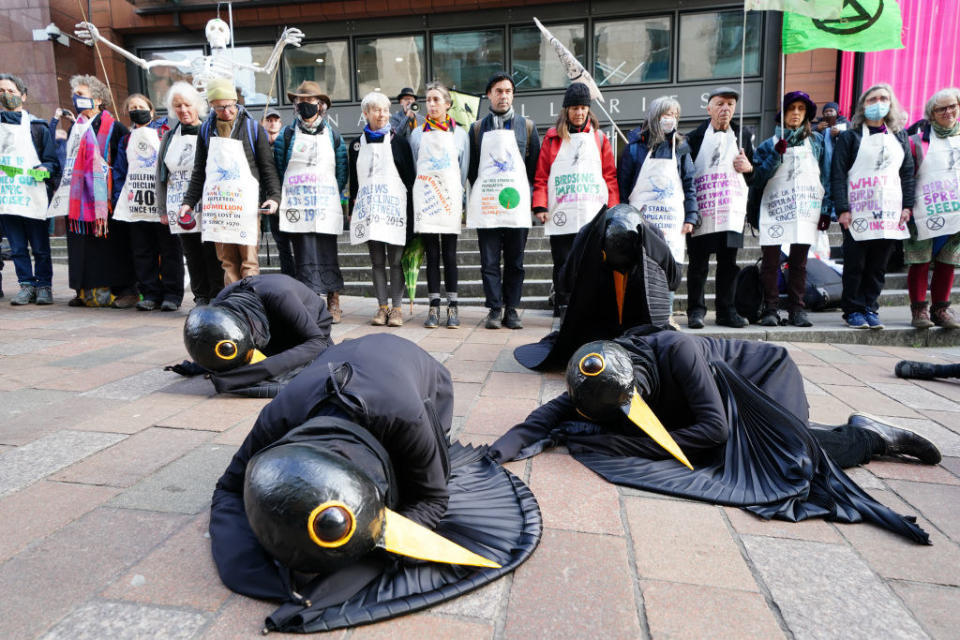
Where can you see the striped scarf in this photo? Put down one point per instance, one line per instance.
(90, 183)
(430, 124)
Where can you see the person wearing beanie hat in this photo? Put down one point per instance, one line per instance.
(791, 179)
(576, 176)
(830, 124)
(220, 89)
(504, 148)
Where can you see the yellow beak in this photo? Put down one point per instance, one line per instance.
(407, 538)
(641, 415)
(256, 356)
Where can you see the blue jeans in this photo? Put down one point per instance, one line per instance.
(20, 232)
(505, 289)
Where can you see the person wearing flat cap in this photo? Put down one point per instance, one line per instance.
(791, 181)
(576, 176)
(723, 173)
(403, 122)
(311, 161)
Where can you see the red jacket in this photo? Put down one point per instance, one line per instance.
(548, 152)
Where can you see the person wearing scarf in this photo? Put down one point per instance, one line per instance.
(943, 117)
(315, 254)
(798, 112)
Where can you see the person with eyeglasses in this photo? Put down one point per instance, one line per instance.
(935, 228)
(235, 176)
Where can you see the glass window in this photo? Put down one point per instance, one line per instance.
(159, 79)
(326, 63)
(712, 43)
(389, 64)
(535, 61)
(632, 51)
(255, 86)
(466, 59)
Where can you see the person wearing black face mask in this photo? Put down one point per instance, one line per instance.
(311, 161)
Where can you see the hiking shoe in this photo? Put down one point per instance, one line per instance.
(433, 317)
(770, 318)
(695, 321)
(395, 318)
(26, 295)
(453, 318)
(873, 320)
(333, 306)
(943, 317)
(799, 318)
(169, 305)
(920, 315)
(380, 318)
(44, 295)
(147, 305)
(736, 321)
(511, 319)
(856, 320)
(493, 319)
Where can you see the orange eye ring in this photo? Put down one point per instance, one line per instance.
(226, 350)
(588, 364)
(324, 508)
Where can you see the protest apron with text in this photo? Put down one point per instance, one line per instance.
(60, 203)
(790, 207)
(937, 212)
(230, 195)
(179, 163)
(380, 208)
(660, 190)
(138, 198)
(20, 195)
(438, 190)
(721, 190)
(500, 196)
(576, 189)
(310, 201)
(873, 189)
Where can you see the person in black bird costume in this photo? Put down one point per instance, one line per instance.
(734, 411)
(348, 504)
(256, 335)
(619, 273)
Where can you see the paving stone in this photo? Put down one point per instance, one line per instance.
(865, 479)
(935, 607)
(945, 418)
(77, 344)
(134, 458)
(14, 404)
(916, 397)
(827, 409)
(577, 585)
(236, 434)
(27, 345)
(821, 589)
(506, 362)
(574, 498)
(552, 389)
(178, 573)
(184, 486)
(680, 611)
(482, 603)
(895, 470)
(477, 439)
(810, 389)
(215, 414)
(44, 419)
(869, 373)
(195, 386)
(497, 415)
(439, 356)
(512, 385)
(800, 356)
(93, 377)
(48, 455)
(952, 464)
(42, 508)
(813, 529)
(135, 386)
(871, 400)
(479, 352)
(930, 500)
(833, 355)
(947, 388)
(119, 621)
(947, 441)
(439, 343)
(466, 370)
(485, 336)
(131, 417)
(98, 357)
(52, 577)
(829, 375)
(464, 394)
(243, 617)
(667, 550)
(423, 625)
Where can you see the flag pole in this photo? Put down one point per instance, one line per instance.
(783, 82)
(602, 108)
(743, 57)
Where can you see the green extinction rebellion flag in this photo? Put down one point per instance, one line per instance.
(864, 25)
(812, 8)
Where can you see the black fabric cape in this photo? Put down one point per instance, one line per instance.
(745, 396)
(592, 312)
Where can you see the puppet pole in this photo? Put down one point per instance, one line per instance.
(103, 66)
(602, 108)
(783, 83)
(743, 58)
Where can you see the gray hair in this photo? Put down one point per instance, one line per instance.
(374, 99)
(186, 91)
(98, 90)
(16, 80)
(894, 119)
(441, 88)
(657, 108)
(944, 94)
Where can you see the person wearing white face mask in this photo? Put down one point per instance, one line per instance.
(872, 185)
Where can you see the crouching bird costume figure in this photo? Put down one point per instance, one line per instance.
(348, 504)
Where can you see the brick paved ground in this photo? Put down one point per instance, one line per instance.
(107, 465)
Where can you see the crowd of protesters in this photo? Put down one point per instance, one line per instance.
(192, 186)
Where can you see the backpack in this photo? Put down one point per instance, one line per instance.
(824, 286)
(748, 292)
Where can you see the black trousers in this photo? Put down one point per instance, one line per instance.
(203, 265)
(317, 262)
(698, 267)
(436, 245)
(502, 290)
(288, 266)
(157, 261)
(848, 446)
(797, 276)
(864, 273)
(559, 250)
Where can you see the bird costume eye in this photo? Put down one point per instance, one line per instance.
(226, 349)
(331, 524)
(592, 364)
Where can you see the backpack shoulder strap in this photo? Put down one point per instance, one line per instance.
(522, 134)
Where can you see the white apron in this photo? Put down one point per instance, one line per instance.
(576, 189)
(873, 189)
(438, 190)
(790, 207)
(500, 196)
(660, 190)
(179, 162)
(138, 198)
(20, 195)
(380, 209)
(310, 201)
(60, 203)
(230, 195)
(721, 190)
(937, 212)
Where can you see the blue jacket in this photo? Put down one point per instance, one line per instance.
(43, 143)
(766, 161)
(282, 151)
(631, 162)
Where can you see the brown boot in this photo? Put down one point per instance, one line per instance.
(333, 305)
(943, 317)
(395, 319)
(921, 316)
(380, 318)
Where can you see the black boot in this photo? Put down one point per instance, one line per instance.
(918, 370)
(897, 441)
